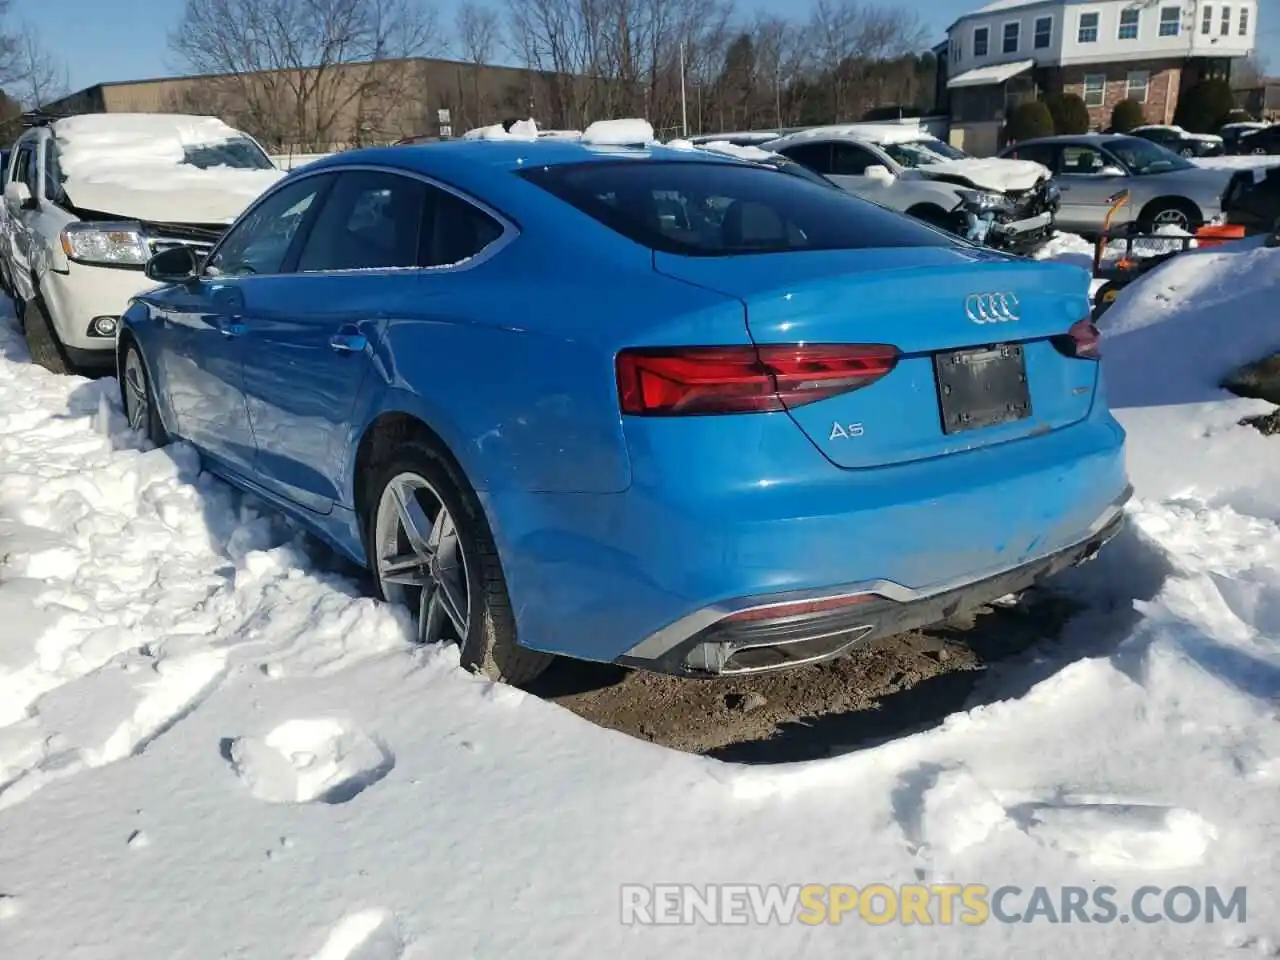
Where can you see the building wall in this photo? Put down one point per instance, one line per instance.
(1065, 46)
(361, 103)
(1112, 82)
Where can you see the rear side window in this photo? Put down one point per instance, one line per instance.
(1042, 153)
(712, 209)
(455, 230)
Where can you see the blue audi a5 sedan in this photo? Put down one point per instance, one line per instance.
(633, 404)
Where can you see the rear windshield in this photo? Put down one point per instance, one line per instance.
(712, 209)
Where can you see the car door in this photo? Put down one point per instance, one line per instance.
(202, 324)
(310, 332)
(1086, 189)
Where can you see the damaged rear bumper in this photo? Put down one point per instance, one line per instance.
(765, 634)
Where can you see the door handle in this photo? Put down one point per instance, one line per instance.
(348, 342)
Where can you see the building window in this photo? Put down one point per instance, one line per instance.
(1129, 24)
(1244, 21)
(1137, 84)
(1012, 34)
(1206, 23)
(1095, 89)
(1044, 32)
(1170, 21)
(1226, 21)
(1088, 32)
(981, 38)
(957, 52)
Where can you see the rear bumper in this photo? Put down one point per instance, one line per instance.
(710, 642)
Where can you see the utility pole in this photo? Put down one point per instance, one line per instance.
(684, 102)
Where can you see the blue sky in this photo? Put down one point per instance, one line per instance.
(127, 39)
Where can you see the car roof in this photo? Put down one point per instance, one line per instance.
(876, 133)
(1072, 138)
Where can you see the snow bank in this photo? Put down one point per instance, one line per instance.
(1249, 162)
(213, 745)
(132, 165)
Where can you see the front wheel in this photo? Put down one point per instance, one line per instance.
(430, 549)
(1181, 214)
(139, 399)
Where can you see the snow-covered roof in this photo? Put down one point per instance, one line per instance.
(605, 133)
(984, 76)
(879, 133)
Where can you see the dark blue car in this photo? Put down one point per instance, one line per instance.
(634, 404)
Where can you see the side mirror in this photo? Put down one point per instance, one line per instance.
(878, 171)
(1111, 171)
(18, 194)
(175, 265)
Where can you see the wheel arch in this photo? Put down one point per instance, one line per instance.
(380, 436)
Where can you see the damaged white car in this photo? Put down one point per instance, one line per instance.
(1008, 204)
(88, 200)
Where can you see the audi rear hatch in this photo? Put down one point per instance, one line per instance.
(956, 353)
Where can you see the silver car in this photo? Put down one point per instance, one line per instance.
(1164, 189)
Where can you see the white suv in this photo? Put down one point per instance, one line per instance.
(87, 201)
(1006, 203)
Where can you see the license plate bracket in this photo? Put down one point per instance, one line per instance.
(982, 387)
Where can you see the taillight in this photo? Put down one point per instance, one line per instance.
(1083, 341)
(700, 380)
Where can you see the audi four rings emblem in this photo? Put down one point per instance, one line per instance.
(991, 307)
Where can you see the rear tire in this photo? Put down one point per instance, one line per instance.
(1175, 212)
(42, 341)
(446, 569)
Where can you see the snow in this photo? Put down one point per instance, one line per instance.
(618, 133)
(1248, 162)
(882, 133)
(1206, 137)
(725, 148)
(132, 165)
(520, 130)
(994, 173)
(212, 744)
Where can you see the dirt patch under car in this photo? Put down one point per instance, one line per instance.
(886, 689)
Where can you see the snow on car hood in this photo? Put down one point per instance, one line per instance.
(174, 195)
(993, 173)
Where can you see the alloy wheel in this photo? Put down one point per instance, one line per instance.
(137, 402)
(1172, 217)
(420, 558)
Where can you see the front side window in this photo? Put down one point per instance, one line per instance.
(1095, 89)
(1170, 21)
(369, 221)
(712, 209)
(260, 242)
(1044, 32)
(52, 173)
(981, 41)
(21, 172)
(852, 160)
(1129, 22)
(1012, 35)
(1088, 31)
(1042, 153)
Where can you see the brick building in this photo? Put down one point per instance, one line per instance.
(1103, 50)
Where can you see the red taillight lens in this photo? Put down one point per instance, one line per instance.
(702, 380)
(799, 608)
(1083, 341)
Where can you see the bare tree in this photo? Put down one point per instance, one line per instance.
(40, 79)
(478, 31)
(308, 74)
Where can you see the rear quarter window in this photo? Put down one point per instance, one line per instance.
(713, 209)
